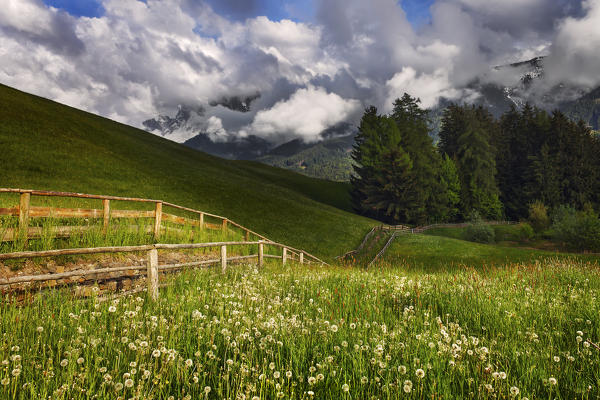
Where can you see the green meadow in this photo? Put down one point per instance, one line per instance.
(437, 317)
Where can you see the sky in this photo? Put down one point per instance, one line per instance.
(309, 64)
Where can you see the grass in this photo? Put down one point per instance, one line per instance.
(49, 146)
(522, 331)
(503, 233)
(433, 253)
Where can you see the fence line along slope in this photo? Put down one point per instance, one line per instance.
(49, 145)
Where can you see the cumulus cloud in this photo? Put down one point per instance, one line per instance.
(144, 58)
(306, 114)
(574, 53)
(429, 88)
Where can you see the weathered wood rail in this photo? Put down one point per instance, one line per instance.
(25, 212)
(152, 266)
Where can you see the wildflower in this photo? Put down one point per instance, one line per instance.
(364, 380)
(64, 363)
(288, 374)
(310, 393)
(107, 377)
(16, 372)
(5, 381)
(118, 386)
(156, 353)
(420, 373)
(352, 325)
(207, 389)
(514, 391)
(502, 375)
(552, 381)
(407, 388)
(402, 369)
(556, 359)
(80, 360)
(189, 363)
(40, 329)
(276, 374)
(112, 309)
(334, 328)
(129, 383)
(312, 380)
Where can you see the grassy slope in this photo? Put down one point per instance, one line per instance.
(46, 145)
(433, 253)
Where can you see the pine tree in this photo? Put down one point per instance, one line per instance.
(450, 183)
(477, 169)
(412, 122)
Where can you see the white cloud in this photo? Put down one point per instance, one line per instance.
(574, 54)
(141, 59)
(427, 87)
(306, 114)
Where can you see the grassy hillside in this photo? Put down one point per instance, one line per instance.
(46, 145)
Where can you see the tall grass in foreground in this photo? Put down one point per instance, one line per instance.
(526, 331)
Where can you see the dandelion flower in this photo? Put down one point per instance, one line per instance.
(207, 389)
(345, 388)
(5, 381)
(16, 372)
(129, 383)
(514, 391)
(556, 359)
(552, 381)
(156, 353)
(420, 373)
(189, 363)
(334, 328)
(312, 380)
(310, 393)
(80, 360)
(118, 386)
(288, 374)
(112, 309)
(364, 380)
(40, 329)
(64, 363)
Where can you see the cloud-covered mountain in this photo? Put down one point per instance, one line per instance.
(138, 60)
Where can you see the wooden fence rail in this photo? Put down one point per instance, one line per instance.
(152, 267)
(25, 212)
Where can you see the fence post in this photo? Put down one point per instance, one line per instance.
(201, 220)
(261, 257)
(106, 208)
(24, 214)
(157, 220)
(284, 255)
(152, 276)
(223, 258)
(301, 257)
(247, 236)
(224, 224)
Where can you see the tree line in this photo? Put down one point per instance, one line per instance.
(495, 168)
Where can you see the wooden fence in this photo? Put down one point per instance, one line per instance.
(25, 212)
(152, 266)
